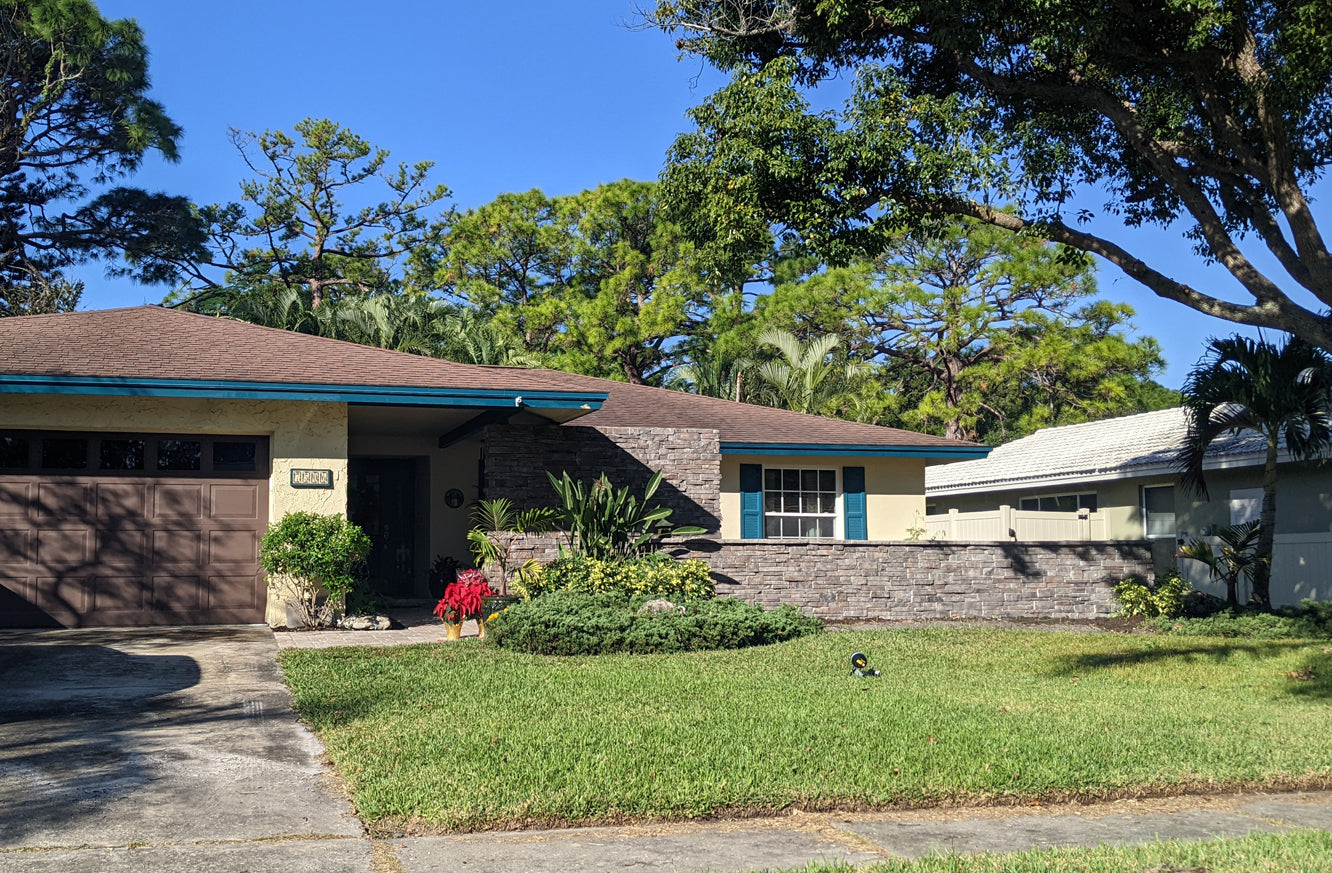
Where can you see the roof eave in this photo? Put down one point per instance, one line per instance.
(952, 453)
(1138, 471)
(372, 395)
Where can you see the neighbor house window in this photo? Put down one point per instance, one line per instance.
(1158, 511)
(1060, 502)
(799, 503)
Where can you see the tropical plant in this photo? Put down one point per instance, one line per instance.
(496, 526)
(1236, 561)
(604, 521)
(463, 598)
(1280, 392)
(804, 379)
(313, 556)
(1165, 598)
(657, 574)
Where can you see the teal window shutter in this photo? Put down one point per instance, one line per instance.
(751, 501)
(853, 502)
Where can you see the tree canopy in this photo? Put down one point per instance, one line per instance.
(75, 118)
(1210, 113)
(301, 223)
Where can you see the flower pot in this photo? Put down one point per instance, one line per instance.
(452, 630)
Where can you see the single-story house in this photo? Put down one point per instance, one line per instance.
(1120, 475)
(143, 452)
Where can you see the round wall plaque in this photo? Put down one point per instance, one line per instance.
(453, 498)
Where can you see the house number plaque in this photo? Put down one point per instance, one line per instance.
(305, 478)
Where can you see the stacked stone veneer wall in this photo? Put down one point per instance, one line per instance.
(930, 580)
(517, 457)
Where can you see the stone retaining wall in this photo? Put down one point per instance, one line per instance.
(842, 580)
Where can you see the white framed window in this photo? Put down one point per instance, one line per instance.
(1246, 505)
(799, 502)
(1060, 502)
(1158, 511)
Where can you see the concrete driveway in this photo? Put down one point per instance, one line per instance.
(177, 743)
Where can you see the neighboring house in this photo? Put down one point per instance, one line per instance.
(1120, 474)
(144, 451)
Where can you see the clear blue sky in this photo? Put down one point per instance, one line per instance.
(501, 96)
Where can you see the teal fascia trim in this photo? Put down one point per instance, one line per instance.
(959, 453)
(370, 395)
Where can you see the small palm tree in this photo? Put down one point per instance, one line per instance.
(714, 375)
(1280, 392)
(803, 379)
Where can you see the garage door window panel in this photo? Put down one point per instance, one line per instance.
(15, 453)
(64, 454)
(179, 455)
(114, 454)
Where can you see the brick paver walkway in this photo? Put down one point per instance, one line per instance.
(419, 626)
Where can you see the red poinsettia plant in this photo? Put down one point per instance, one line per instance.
(462, 599)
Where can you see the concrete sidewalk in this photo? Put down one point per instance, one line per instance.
(783, 843)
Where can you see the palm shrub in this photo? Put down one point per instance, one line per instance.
(1237, 559)
(314, 555)
(604, 521)
(496, 526)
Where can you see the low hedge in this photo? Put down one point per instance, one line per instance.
(657, 574)
(574, 623)
(1311, 620)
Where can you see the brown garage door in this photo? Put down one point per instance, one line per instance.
(111, 529)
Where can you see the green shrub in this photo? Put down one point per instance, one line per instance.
(314, 556)
(1310, 620)
(1165, 598)
(575, 623)
(657, 574)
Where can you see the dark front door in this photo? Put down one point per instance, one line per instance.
(382, 501)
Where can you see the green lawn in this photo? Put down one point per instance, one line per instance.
(467, 736)
(1302, 852)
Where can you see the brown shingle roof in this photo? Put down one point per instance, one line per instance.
(151, 342)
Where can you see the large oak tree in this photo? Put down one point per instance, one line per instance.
(1211, 113)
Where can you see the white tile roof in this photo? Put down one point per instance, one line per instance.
(1143, 444)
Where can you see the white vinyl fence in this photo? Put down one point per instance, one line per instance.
(1301, 568)
(1007, 524)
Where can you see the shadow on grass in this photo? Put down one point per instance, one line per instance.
(1312, 679)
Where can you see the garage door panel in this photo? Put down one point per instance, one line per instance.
(233, 547)
(122, 502)
(239, 502)
(15, 548)
(177, 593)
(177, 501)
(62, 500)
(16, 500)
(119, 593)
(64, 547)
(233, 592)
(177, 547)
(63, 594)
(121, 547)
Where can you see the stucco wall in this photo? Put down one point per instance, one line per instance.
(1304, 500)
(452, 467)
(300, 435)
(894, 490)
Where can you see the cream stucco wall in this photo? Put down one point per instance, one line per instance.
(894, 490)
(1304, 500)
(300, 434)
